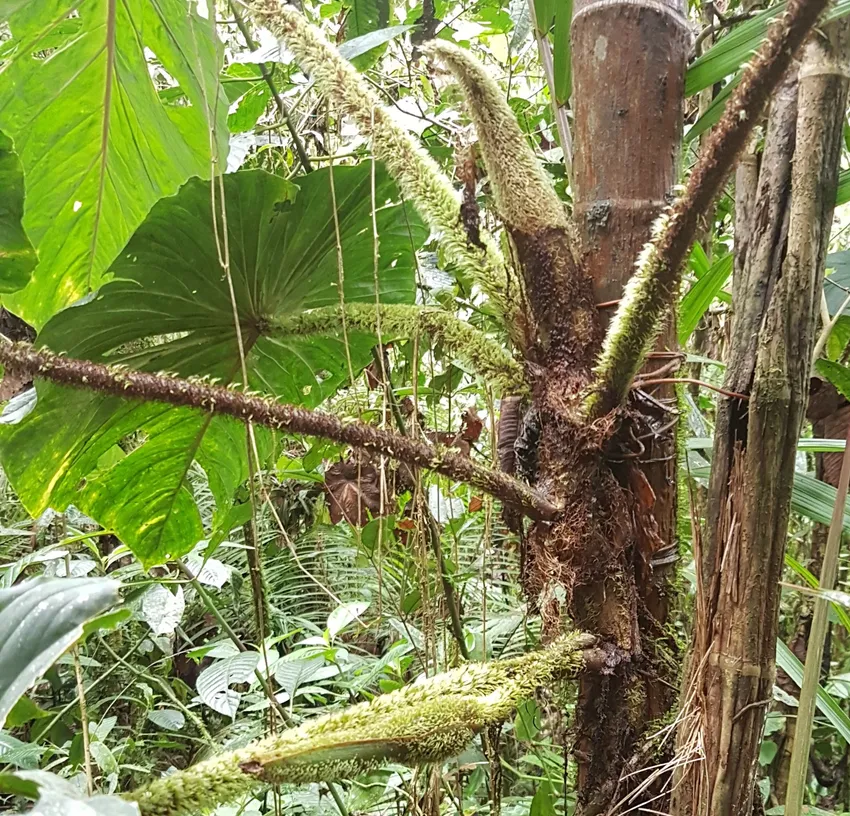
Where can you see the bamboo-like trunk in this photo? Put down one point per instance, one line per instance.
(777, 295)
(628, 69)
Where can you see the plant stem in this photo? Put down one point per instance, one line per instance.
(799, 770)
(432, 528)
(84, 722)
(267, 76)
(23, 358)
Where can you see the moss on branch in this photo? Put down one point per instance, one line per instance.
(22, 358)
(417, 174)
(472, 346)
(652, 289)
(524, 194)
(426, 722)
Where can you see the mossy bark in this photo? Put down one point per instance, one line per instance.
(740, 566)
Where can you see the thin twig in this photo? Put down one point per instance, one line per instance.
(798, 772)
(303, 157)
(432, 529)
(829, 325)
(24, 359)
(84, 722)
(689, 381)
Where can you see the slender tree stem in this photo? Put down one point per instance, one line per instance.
(23, 358)
(432, 529)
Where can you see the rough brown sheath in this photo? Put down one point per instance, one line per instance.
(759, 79)
(23, 358)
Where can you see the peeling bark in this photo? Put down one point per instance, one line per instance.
(733, 667)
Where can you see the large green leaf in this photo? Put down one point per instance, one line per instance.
(17, 257)
(837, 374)
(97, 144)
(39, 620)
(169, 284)
(366, 17)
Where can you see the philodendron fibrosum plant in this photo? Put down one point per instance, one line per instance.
(580, 484)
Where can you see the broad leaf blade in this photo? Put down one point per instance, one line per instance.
(39, 620)
(17, 257)
(169, 282)
(97, 144)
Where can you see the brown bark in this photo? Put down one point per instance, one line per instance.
(628, 69)
(733, 667)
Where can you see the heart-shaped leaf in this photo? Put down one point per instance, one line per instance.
(283, 258)
(39, 620)
(97, 144)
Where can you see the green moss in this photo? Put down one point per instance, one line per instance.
(485, 356)
(524, 193)
(428, 721)
(634, 327)
(419, 177)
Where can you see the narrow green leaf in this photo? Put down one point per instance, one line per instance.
(544, 11)
(840, 612)
(701, 295)
(810, 497)
(732, 50)
(813, 445)
(842, 194)
(39, 620)
(713, 113)
(561, 51)
(357, 46)
(826, 703)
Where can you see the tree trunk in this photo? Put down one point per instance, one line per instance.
(776, 298)
(628, 73)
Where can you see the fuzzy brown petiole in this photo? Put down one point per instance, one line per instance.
(22, 358)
